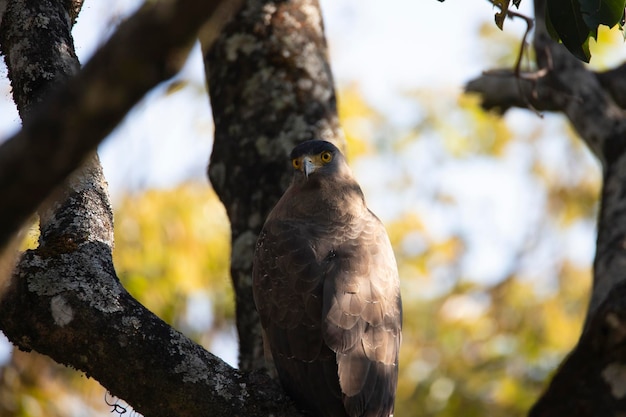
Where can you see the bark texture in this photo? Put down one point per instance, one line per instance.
(592, 379)
(271, 88)
(81, 316)
(64, 298)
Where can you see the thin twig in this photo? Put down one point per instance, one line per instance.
(517, 71)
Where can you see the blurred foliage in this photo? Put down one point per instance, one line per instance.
(358, 120)
(32, 385)
(172, 252)
(501, 48)
(171, 247)
(481, 349)
(466, 129)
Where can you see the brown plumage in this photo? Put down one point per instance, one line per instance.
(326, 287)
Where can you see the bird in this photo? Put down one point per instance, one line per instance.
(326, 286)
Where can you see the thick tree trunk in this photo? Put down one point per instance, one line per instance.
(592, 379)
(271, 87)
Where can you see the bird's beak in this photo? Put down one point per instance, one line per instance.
(308, 166)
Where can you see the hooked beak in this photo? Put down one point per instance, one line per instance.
(308, 166)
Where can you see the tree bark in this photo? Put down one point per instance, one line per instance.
(81, 316)
(592, 379)
(271, 87)
(64, 298)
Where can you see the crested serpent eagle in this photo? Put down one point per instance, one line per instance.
(326, 287)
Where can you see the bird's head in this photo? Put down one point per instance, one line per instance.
(322, 180)
(317, 158)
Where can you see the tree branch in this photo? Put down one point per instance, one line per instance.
(613, 81)
(72, 121)
(85, 319)
(500, 90)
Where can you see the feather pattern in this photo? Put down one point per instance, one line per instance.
(326, 287)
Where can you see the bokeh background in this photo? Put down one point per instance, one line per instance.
(492, 218)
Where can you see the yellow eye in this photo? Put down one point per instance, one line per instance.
(326, 157)
(296, 163)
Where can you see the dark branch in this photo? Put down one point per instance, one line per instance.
(591, 380)
(85, 319)
(614, 82)
(62, 131)
(501, 90)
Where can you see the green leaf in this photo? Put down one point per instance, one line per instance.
(567, 20)
(602, 12)
(503, 5)
(500, 16)
(551, 30)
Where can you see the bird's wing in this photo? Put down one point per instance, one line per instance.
(287, 286)
(363, 317)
